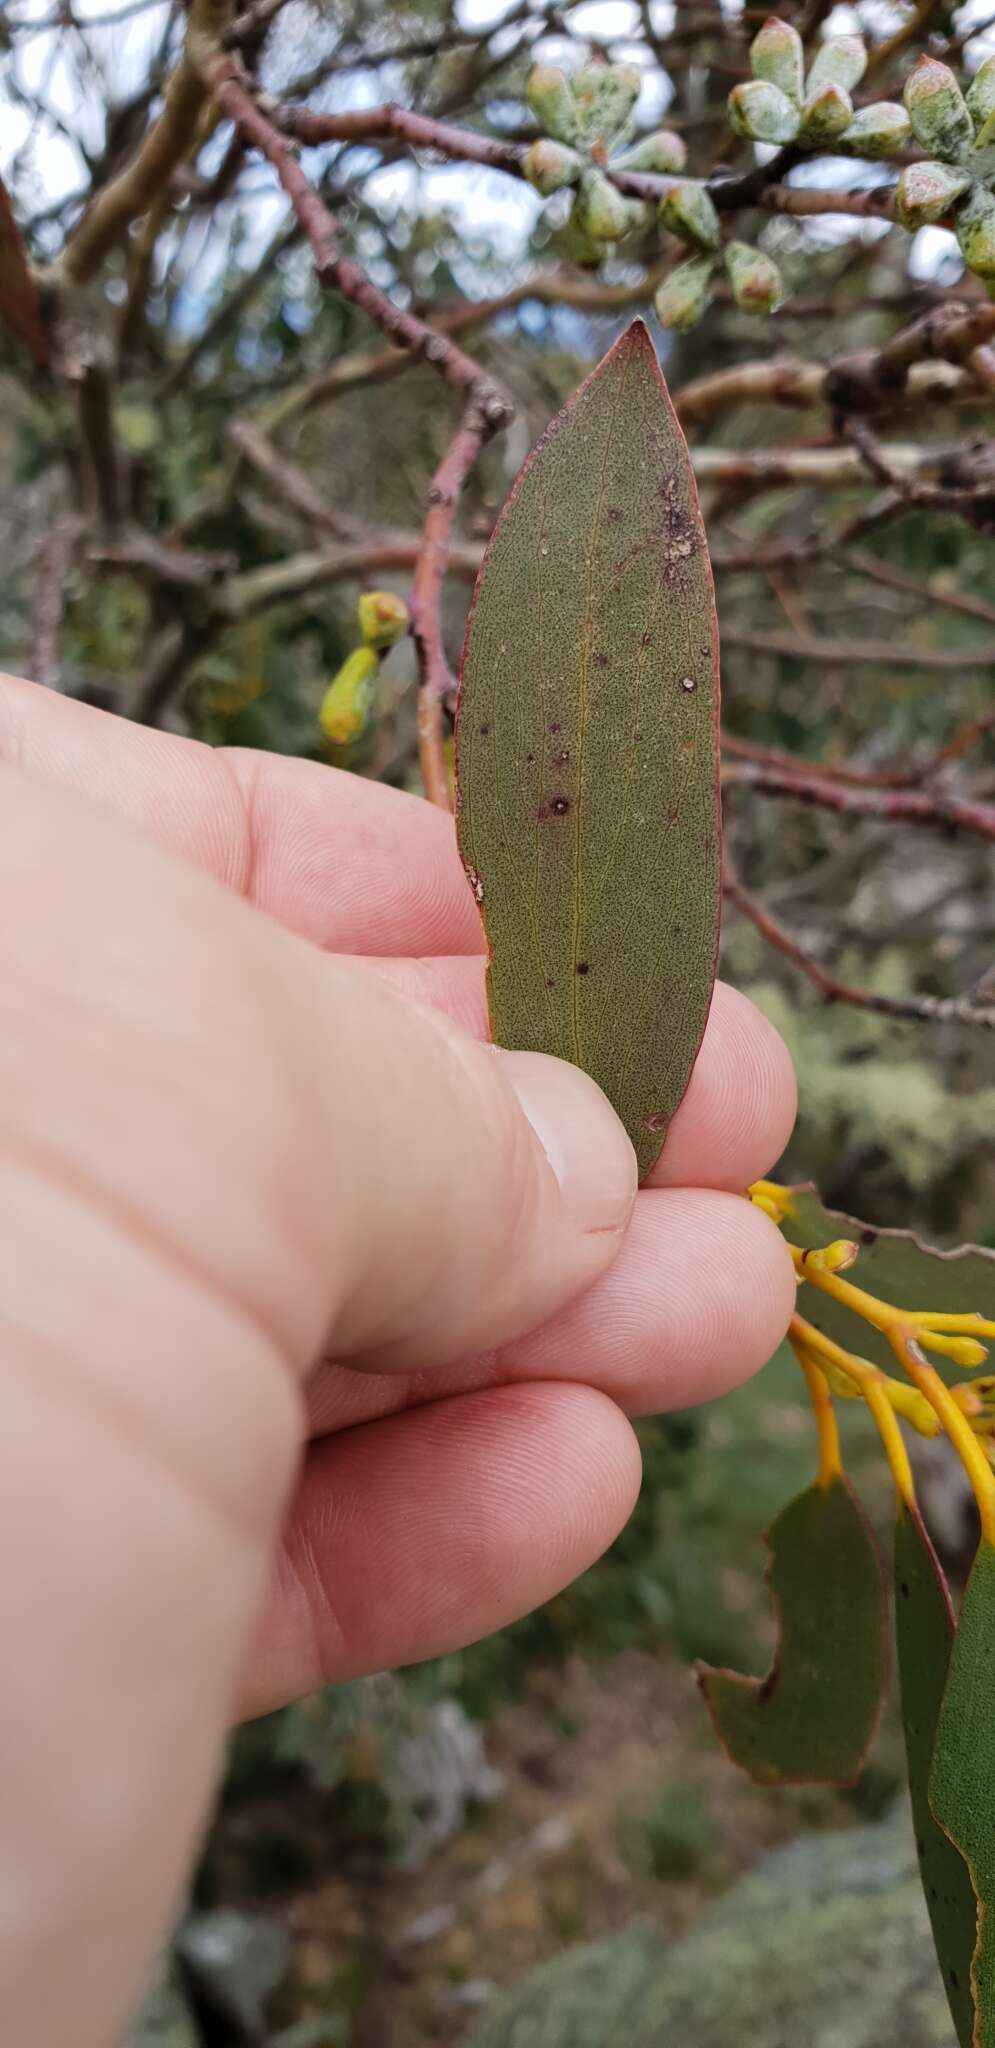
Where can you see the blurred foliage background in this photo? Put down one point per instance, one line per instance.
(387, 1855)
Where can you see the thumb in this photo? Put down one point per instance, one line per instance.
(484, 1188)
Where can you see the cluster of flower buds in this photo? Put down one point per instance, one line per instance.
(347, 705)
(958, 180)
(686, 293)
(781, 104)
(586, 121)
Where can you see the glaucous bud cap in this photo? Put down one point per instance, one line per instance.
(880, 130)
(754, 278)
(552, 102)
(604, 96)
(688, 212)
(762, 112)
(602, 211)
(683, 297)
(549, 166)
(826, 115)
(777, 57)
(840, 60)
(976, 233)
(980, 96)
(662, 151)
(383, 617)
(938, 110)
(925, 192)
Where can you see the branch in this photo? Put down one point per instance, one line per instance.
(290, 482)
(20, 299)
(435, 681)
(340, 271)
(48, 601)
(861, 653)
(170, 139)
(918, 1009)
(907, 806)
(373, 124)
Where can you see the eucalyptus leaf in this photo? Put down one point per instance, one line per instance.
(588, 810)
(811, 1719)
(962, 1786)
(924, 1633)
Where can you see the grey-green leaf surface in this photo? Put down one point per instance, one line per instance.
(924, 1631)
(588, 809)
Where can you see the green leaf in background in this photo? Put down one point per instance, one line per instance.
(895, 1265)
(588, 809)
(810, 1721)
(924, 1632)
(962, 1788)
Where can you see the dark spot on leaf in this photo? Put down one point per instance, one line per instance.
(583, 967)
(559, 805)
(903, 1589)
(601, 661)
(955, 1980)
(658, 1121)
(636, 737)
(529, 758)
(562, 758)
(550, 983)
(556, 726)
(615, 512)
(484, 730)
(868, 1236)
(646, 640)
(688, 684)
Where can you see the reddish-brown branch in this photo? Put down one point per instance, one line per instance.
(435, 681)
(374, 124)
(340, 271)
(932, 807)
(20, 300)
(918, 1009)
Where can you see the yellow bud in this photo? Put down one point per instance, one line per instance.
(383, 618)
(348, 700)
(965, 1351)
(832, 1258)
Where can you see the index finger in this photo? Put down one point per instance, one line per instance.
(352, 865)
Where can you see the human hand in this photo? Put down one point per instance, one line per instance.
(239, 1136)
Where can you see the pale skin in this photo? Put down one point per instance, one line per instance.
(323, 1320)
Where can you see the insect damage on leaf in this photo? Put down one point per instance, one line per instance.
(587, 756)
(811, 1719)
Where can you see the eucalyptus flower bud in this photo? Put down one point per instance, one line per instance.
(688, 212)
(980, 96)
(840, 60)
(604, 96)
(826, 115)
(383, 618)
(976, 232)
(552, 103)
(938, 110)
(348, 700)
(925, 192)
(762, 112)
(662, 152)
(754, 278)
(878, 131)
(777, 57)
(602, 211)
(684, 296)
(549, 166)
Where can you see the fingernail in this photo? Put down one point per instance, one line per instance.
(581, 1136)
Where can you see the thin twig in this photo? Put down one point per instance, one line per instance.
(917, 1009)
(435, 682)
